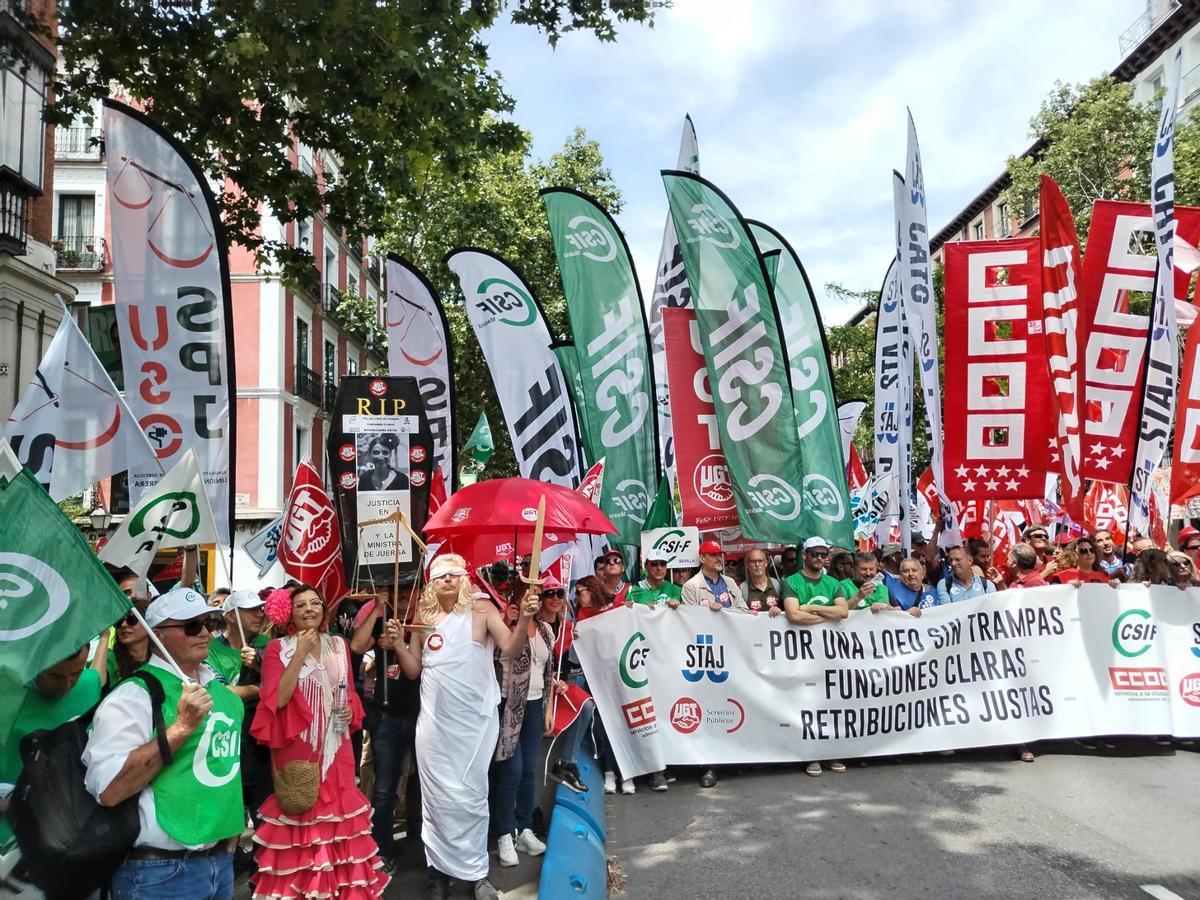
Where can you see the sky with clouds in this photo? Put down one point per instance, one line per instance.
(799, 107)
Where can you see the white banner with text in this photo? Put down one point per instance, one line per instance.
(691, 686)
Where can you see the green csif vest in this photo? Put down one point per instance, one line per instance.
(198, 797)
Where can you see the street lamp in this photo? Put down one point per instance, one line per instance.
(25, 67)
(100, 517)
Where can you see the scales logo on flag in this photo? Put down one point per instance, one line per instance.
(33, 596)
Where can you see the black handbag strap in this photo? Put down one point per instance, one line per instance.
(157, 698)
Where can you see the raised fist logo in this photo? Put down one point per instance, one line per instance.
(310, 529)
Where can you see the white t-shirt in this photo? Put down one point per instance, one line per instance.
(540, 652)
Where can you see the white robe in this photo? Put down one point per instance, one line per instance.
(456, 734)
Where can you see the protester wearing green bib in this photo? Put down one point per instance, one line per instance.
(865, 589)
(191, 807)
(63, 692)
(654, 588)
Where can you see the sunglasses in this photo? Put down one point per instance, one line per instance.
(817, 554)
(128, 622)
(656, 562)
(193, 627)
(1191, 548)
(1039, 535)
(614, 561)
(557, 592)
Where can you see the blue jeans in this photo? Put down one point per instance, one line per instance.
(194, 877)
(515, 775)
(572, 737)
(392, 738)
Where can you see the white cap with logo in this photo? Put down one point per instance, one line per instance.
(179, 604)
(243, 599)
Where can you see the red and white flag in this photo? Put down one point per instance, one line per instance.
(1107, 507)
(1120, 263)
(1061, 266)
(705, 489)
(856, 472)
(310, 547)
(997, 383)
(1185, 458)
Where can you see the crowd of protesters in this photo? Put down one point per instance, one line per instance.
(254, 759)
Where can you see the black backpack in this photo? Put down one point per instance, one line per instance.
(70, 844)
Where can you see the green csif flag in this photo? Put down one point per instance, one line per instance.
(479, 445)
(569, 360)
(744, 354)
(662, 510)
(55, 595)
(612, 350)
(825, 510)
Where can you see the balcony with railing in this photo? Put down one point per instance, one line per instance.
(308, 385)
(77, 143)
(373, 268)
(1189, 85)
(79, 254)
(1155, 13)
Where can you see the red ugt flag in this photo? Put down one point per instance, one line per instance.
(310, 546)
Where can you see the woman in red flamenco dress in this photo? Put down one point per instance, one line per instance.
(306, 711)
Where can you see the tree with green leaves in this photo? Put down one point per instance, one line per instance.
(1099, 142)
(496, 207)
(386, 89)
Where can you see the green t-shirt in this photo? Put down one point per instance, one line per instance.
(822, 592)
(643, 593)
(36, 712)
(879, 595)
(226, 661)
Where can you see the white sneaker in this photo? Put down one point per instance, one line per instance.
(610, 782)
(527, 842)
(506, 851)
(627, 786)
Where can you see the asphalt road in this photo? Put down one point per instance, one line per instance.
(1073, 825)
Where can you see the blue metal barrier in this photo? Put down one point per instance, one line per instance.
(575, 865)
(589, 806)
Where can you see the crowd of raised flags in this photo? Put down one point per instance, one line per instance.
(710, 403)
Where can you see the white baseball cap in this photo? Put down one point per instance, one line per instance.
(814, 542)
(244, 599)
(654, 554)
(179, 604)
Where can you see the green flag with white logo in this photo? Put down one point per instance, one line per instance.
(608, 324)
(662, 510)
(55, 596)
(173, 513)
(479, 445)
(825, 510)
(747, 367)
(569, 360)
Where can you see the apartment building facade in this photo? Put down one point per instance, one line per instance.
(291, 349)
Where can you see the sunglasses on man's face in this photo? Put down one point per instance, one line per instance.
(817, 554)
(1039, 536)
(193, 627)
(558, 593)
(656, 562)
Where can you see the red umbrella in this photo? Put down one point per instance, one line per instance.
(508, 507)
